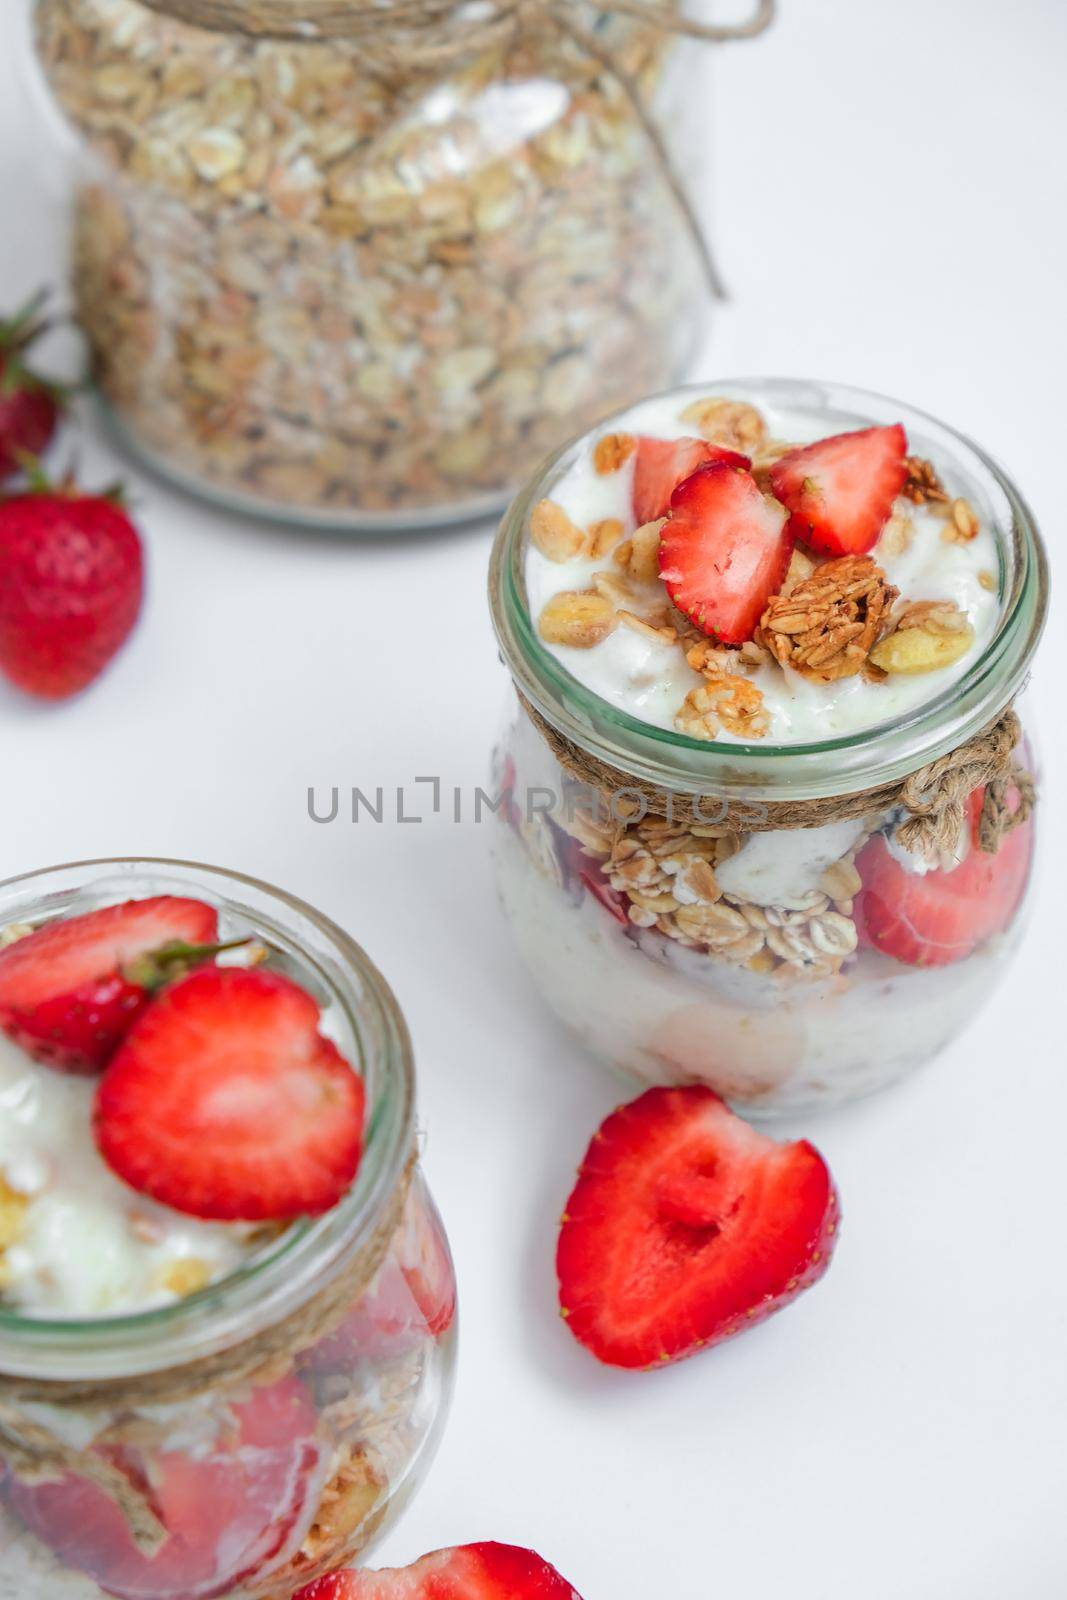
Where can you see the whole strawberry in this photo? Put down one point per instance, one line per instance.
(71, 586)
(29, 405)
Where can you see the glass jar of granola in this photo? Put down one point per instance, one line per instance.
(363, 265)
(767, 816)
(194, 1407)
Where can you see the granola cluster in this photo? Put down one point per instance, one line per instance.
(313, 286)
(666, 876)
(830, 619)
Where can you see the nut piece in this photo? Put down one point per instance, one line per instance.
(922, 484)
(613, 451)
(826, 626)
(580, 618)
(553, 532)
(643, 562)
(927, 634)
(186, 1276)
(602, 537)
(727, 700)
(731, 423)
(962, 525)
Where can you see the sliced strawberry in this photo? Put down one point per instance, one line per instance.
(466, 1572)
(71, 990)
(724, 550)
(412, 1300)
(582, 869)
(660, 465)
(225, 1101)
(840, 491)
(687, 1226)
(229, 1506)
(933, 918)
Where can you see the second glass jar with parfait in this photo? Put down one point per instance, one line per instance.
(768, 816)
(227, 1305)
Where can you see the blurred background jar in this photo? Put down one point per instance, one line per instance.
(364, 265)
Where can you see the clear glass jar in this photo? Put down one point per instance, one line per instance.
(779, 1006)
(367, 298)
(257, 1480)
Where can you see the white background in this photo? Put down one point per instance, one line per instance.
(890, 213)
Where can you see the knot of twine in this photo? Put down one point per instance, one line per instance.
(934, 797)
(408, 36)
(36, 1453)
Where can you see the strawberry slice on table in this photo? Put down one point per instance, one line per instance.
(840, 491)
(71, 990)
(467, 1572)
(224, 1101)
(933, 918)
(687, 1226)
(660, 465)
(724, 551)
(228, 1507)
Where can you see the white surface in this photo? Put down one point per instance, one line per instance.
(888, 182)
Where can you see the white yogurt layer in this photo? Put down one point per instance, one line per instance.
(82, 1243)
(650, 680)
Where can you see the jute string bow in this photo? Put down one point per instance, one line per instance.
(933, 797)
(402, 37)
(36, 1452)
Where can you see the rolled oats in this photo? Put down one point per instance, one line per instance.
(825, 627)
(962, 525)
(724, 700)
(734, 424)
(302, 289)
(613, 451)
(553, 532)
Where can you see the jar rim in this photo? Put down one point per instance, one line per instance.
(763, 770)
(270, 1285)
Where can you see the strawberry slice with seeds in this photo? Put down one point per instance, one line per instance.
(840, 491)
(225, 1101)
(228, 1506)
(932, 919)
(687, 1226)
(72, 989)
(660, 465)
(724, 551)
(467, 1572)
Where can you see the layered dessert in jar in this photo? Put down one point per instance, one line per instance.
(767, 807)
(227, 1304)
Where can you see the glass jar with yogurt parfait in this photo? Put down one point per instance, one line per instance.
(363, 265)
(198, 1398)
(768, 806)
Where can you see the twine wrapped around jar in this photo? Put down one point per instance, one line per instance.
(37, 1454)
(934, 796)
(404, 37)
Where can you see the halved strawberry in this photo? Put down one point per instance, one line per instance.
(229, 1505)
(467, 1572)
(660, 465)
(582, 869)
(71, 990)
(840, 491)
(687, 1226)
(724, 550)
(934, 918)
(412, 1300)
(225, 1101)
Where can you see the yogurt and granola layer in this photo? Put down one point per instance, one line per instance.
(597, 594)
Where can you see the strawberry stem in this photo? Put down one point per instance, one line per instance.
(172, 960)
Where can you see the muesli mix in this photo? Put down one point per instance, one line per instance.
(175, 1104)
(712, 575)
(312, 283)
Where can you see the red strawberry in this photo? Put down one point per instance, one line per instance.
(412, 1299)
(841, 490)
(71, 990)
(467, 1572)
(932, 919)
(591, 875)
(724, 550)
(225, 1101)
(229, 1508)
(29, 405)
(660, 465)
(71, 585)
(687, 1226)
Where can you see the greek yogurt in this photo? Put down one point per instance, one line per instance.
(650, 678)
